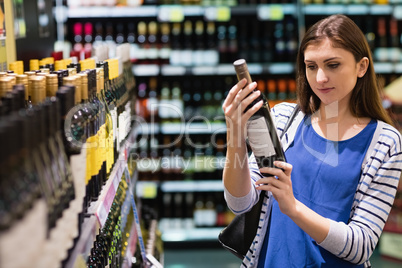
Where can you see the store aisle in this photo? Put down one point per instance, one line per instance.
(220, 258)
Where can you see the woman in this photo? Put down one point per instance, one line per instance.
(329, 203)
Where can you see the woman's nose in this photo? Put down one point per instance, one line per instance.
(321, 76)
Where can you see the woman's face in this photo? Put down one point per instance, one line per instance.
(331, 72)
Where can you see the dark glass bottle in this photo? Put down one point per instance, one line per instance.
(261, 131)
(11, 207)
(42, 165)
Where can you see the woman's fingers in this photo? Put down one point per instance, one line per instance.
(240, 95)
(286, 167)
(233, 92)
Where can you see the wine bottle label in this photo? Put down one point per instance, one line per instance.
(381, 54)
(186, 57)
(177, 108)
(175, 57)
(211, 57)
(152, 53)
(259, 138)
(164, 53)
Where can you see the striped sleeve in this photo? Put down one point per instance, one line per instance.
(281, 113)
(356, 241)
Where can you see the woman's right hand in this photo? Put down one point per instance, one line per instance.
(235, 104)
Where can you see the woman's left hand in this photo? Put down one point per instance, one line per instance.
(280, 185)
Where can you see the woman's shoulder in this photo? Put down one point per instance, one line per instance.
(388, 135)
(283, 109)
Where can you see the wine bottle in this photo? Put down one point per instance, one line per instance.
(261, 131)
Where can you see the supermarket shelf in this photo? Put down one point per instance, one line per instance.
(102, 206)
(111, 12)
(221, 69)
(193, 128)
(181, 128)
(192, 186)
(352, 9)
(191, 235)
(81, 250)
(176, 13)
(98, 211)
(227, 69)
(149, 189)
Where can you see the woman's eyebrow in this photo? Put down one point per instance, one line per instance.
(333, 58)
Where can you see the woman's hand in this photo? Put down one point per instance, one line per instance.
(236, 102)
(280, 185)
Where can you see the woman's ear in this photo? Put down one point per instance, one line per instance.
(363, 66)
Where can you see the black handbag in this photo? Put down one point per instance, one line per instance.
(240, 233)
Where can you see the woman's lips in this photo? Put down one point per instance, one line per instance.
(325, 90)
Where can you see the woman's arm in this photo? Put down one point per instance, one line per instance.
(356, 241)
(236, 175)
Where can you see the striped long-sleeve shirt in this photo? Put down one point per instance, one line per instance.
(381, 171)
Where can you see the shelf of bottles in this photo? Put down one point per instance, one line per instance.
(66, 129)
(169, 40)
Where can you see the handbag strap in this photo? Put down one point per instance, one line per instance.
(291, 118)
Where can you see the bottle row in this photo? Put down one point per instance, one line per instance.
(77, 110)
(200, 43)
(110, 247)
(189, 210)
(200, 100)
(76, 3)
(193, 42)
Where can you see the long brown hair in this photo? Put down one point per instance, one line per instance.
(343, 33)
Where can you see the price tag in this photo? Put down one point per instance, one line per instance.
(270, 12)
(398, 12)
(398, 68)
(217, 13)
(147, 190)
(381, 9)
(171, 14)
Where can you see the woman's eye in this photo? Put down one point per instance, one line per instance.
(334, 65)
(311, 67)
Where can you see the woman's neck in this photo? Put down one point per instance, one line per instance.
(336, 122)
(334, 113)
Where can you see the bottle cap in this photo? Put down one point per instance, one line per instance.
(241, 69)
(5, 85)
(37, 88)
(52, 84)
(33, 64)
(84, 85)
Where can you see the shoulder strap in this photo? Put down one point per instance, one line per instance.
(291, 118)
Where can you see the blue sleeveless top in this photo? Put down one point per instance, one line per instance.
(325, 176)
